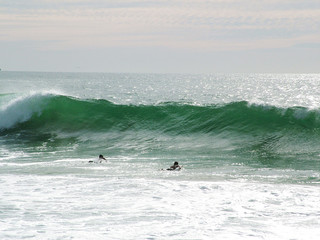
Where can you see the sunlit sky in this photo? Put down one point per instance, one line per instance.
(160, 36)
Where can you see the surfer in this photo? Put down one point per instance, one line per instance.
(101, 158)
(175, 166)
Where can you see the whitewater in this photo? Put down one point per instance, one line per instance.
(249, 146)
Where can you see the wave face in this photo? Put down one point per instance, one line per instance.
(252, 131)
(57, 112)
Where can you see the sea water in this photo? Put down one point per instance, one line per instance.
(249, 146)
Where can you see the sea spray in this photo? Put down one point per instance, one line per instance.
(21, 108)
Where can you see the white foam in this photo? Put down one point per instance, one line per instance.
(66, 207)
(22, 108)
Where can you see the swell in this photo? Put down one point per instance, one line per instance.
(49, 112)
(253, 134)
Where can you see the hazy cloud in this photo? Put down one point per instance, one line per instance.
(206, 25)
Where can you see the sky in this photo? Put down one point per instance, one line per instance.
(160, 36)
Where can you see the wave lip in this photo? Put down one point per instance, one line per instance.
(22, 109)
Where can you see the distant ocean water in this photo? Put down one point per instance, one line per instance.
(249, 145)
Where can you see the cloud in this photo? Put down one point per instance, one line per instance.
(195, 24)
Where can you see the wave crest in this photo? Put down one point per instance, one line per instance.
(21, 109)
(49, 111)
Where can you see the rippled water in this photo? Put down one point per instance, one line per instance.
(248, 144)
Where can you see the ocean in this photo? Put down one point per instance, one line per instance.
(248, 144)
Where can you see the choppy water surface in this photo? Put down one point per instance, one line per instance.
(248, 143)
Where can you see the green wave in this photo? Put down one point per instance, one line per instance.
(248, 133)
(54, 112)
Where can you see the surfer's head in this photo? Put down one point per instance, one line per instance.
(176, 163)
(100, 156)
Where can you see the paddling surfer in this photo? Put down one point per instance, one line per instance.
(175, 166)
(101, 158)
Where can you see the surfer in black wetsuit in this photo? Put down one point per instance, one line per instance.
(101, 157)
(175, 166)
